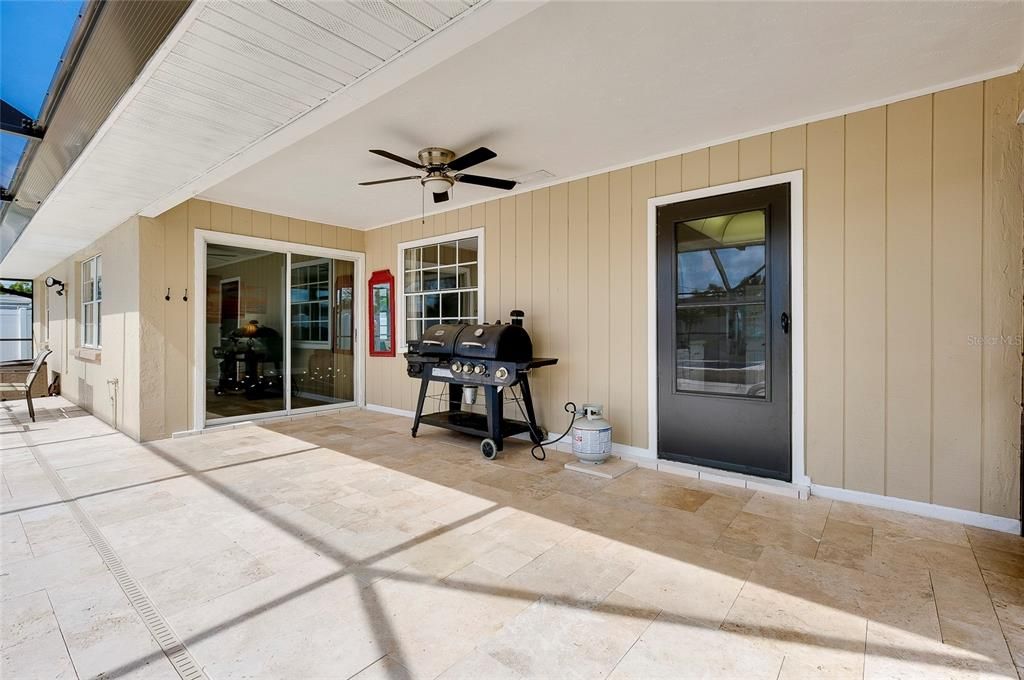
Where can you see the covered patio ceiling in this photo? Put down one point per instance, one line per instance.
(232, 83)
(576, 88)
(570, 88)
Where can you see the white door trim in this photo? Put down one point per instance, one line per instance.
(201, 239)
(795, 179)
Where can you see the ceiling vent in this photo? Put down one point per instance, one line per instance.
(534, 177)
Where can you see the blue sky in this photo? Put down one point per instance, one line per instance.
(33, 34)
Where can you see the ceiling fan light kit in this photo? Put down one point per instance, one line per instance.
(443, 170)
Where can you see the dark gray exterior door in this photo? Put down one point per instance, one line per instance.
(724, 348)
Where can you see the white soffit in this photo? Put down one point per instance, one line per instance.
(242, 78)
(582, 87)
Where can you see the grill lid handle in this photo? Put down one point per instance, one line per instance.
(473, 344)
(431, 342)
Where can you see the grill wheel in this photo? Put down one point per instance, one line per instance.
(489, 449)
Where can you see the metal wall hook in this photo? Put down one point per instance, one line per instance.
(168, 296)
(185, 296)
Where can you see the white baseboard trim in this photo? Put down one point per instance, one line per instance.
(969, 517)
(390, 410)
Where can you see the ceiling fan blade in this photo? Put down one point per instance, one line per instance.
(492, 182)
(385, 181)
(441, 197)
(472, 158)
(396, 158)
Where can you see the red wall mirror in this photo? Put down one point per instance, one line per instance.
(382, 314)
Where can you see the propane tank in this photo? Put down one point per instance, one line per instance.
(592, 436)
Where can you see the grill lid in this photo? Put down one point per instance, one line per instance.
(439, 340)
(499, 342)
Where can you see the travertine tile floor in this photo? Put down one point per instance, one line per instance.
(337, 547)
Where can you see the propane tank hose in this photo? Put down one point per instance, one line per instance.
(569, 407)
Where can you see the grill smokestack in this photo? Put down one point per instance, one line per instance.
(517, 316)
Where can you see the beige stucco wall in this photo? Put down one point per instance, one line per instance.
(167, 252)
(913, 293)
(85, 379)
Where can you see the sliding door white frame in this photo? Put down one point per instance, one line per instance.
(203, 237)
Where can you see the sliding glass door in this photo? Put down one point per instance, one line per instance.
(322, 342)
(280, 332)
(245, 316)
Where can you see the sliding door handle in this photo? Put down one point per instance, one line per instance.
(784, 320)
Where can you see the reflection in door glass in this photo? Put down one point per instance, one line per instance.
(322, 343)
(245, 315)
(720, 305)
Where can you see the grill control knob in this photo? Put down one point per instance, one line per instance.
(479, 369)
(501, 374)
(456, 367)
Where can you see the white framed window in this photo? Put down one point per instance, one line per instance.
(440, 281)
(311, 303)
(92, 300)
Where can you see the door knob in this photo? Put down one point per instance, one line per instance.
(785, 323)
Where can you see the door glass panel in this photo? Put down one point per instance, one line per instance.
(721, 327)
(245, 317)
(323, 342)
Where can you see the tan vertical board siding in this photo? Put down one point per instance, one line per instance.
(957, 270)
(724, 163)
(908, 299)
(507, 248)
(314, 234)
(296, 230)
(524, 254)
(199, 214)
(330, 236)
(177, 397)
(492, 255)
(538, 319)
(576, 353)
(260, 224)
(864, 283)
(789, 149)
(374, 262)
(279, 228)
(558, 227)
(668, 175)
(620, 335)
(598, 328)
(696, 170)
(823, 242)
(220, 217)
(1003, 232)
(241, 221)
(755, 156)
(398, 383)
(168, 250)
(641, 190)
(522, 289)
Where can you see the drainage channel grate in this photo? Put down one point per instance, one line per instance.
(168, 640)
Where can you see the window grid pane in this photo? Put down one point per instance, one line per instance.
(441, 285)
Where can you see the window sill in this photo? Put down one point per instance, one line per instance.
(90, 354)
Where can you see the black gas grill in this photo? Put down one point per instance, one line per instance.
(493, 357)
